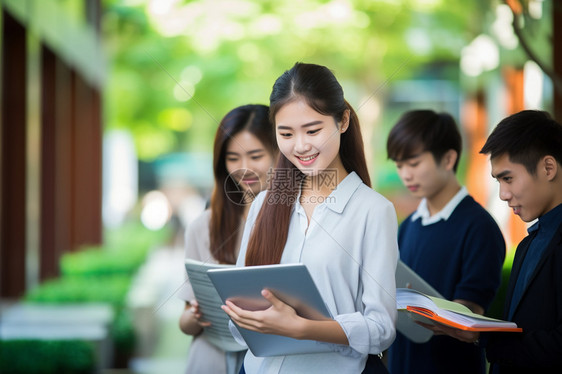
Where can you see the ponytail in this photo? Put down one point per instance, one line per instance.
(352, 153)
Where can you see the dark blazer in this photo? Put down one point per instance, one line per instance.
(539, 312)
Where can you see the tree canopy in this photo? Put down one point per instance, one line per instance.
(176, 67)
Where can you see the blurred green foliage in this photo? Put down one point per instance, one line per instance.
(99, 261)
(125, 249)
(123, 334)
(76, 289)
(133, 237)
(46, 357)
(496, 307)
(102, 274)
(175, 71)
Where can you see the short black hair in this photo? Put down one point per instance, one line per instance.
(424, 130)
(526, 137)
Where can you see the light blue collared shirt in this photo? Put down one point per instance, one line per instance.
(350, 249)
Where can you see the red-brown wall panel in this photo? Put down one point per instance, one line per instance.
(13, 148)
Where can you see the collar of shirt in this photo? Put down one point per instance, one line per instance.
(340, 196)
(549, 221)
(443, 214)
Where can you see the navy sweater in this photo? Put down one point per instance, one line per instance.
(461, 258)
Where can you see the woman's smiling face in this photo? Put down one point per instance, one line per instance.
(308, 139)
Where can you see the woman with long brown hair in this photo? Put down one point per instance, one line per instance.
(320, 210)
(244, 152)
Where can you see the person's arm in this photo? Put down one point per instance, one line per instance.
(483, 254)
(465, 336)
(190, 319)
(370, 330)
(462, 335)
(474, 308)
(540, 344)
(538, 348)
(281, 319)
(380, 257)
(196, 247)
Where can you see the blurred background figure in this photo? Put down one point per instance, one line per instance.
(450, 240)
(244, 152)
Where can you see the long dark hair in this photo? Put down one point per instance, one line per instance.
(318, 86)
(226, 205)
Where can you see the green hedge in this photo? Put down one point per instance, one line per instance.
(101, 261)
(104, 289)
(496, 307)
(125, 250)
(101, 274)
(46, 357)
(109, 289)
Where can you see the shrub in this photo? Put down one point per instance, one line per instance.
(125, 250)
(496, 307)
(96, 261)
(124, 338)
(101, 274)
(45, 356)
(108, 289)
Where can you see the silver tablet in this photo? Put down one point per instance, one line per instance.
(292, 284)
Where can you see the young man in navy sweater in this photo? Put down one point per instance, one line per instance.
(450, 240)
(526, 155)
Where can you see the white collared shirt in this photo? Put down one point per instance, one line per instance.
(443, 214)
(350, 249)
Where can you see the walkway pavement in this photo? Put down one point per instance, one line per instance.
(162, 347)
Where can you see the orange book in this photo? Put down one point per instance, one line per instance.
(431, 310)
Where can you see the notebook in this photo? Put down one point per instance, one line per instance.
(210, 303)
(432, 310)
